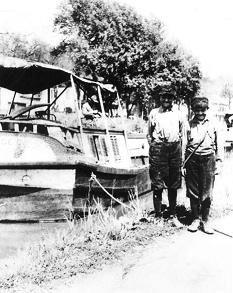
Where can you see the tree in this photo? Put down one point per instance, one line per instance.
(227, 93)
(112, 43)
(21, 46)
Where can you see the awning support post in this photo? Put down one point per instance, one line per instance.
(109, 143)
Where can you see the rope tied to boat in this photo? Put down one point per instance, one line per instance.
(94, 178)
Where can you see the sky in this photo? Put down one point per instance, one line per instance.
(203, 27)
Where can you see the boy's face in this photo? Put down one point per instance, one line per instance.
(166, 101)
(200, 113)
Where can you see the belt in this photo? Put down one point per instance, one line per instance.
(187, 153)
(165, 141)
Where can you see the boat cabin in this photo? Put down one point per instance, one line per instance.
(103, 138)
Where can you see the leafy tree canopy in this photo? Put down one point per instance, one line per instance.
(111, 42)
(21, 46)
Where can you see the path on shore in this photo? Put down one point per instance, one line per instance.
(185, 263)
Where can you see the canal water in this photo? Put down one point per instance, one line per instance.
(13, 237)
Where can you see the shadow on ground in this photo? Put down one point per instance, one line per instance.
(183, 214)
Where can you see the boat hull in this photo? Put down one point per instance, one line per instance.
(90, 190)
(41, 179)
(25, 204)
(39, 194)
(54, 192)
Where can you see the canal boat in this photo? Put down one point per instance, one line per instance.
(49, 169)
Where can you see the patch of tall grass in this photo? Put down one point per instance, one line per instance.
(74, 250)
(89, 242)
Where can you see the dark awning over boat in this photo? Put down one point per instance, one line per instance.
(29, 78)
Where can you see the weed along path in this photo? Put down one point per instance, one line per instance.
(184, 262)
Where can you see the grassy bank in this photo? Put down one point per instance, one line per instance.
(87, 245)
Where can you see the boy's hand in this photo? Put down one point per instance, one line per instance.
(149, 139)
(218, 167)
(183, 171)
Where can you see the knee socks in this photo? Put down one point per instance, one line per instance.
(200, 210)
(172, 197)
(157, 201)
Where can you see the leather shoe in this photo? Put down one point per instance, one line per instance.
(194, 226)
(207, 228)
(175, 222)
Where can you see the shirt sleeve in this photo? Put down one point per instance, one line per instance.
(149, 128)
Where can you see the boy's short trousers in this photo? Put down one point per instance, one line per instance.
(165, 160)
(200, 175)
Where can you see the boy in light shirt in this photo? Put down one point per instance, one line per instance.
(165, 128)
(204, 150)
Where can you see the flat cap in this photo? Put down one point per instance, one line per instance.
(200, 102)
(167, 89)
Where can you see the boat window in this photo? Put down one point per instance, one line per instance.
(115, 147)
(8, 126)
(93, 147)
(99, 147)
(25, 127)
(42, 129)
(104, 147)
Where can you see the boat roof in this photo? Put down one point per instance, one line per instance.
(33, 77)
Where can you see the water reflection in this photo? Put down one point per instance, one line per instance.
(13, 237)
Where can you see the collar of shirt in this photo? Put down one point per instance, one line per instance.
(196, 122)
(162, 110)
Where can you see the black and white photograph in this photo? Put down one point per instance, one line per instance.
(116, 146)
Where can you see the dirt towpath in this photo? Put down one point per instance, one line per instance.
(185, 263)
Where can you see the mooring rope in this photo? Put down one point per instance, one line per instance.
(93, 177)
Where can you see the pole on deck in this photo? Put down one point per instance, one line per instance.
(12, 103)
(48, 110)
(78, 110)
(109, 143)
(123, 126)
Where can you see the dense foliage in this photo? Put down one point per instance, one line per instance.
(22, 46)
(111, 42)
